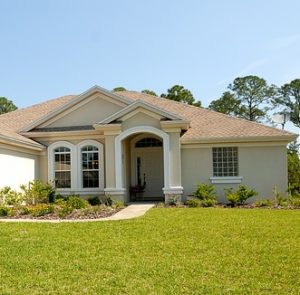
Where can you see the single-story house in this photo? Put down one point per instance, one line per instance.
(120, 143)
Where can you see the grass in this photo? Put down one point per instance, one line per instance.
(168, 251)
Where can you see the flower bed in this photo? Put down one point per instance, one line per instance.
(39, 201)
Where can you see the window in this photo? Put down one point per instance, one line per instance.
(90, 166)
(225, 161)
(62, 167)
(148, 142)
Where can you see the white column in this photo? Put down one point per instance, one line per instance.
(175, 186)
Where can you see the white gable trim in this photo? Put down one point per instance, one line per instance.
(139, 104)
(96, 89)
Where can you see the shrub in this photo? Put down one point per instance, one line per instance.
(280, 199)
(245, 193)
(10, 197)
(64, 211)
(295, 202)
(205, 192)
(118, 204)
(23, 210)
(208, 202)
(37, 192)
(193, 203)
(41, 210)
(173, 201)
(107, 200)
(232, 197)
(263, 203)
(94, 201)
(76, 202)
(4, 211)
(242, 194)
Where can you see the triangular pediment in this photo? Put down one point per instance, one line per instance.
(79, 106)
(140, 107)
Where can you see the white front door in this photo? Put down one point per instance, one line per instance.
(150, 170)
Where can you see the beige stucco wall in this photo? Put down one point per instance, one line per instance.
(140, 119)
(17, 167)
(88, 114)
(262, 168)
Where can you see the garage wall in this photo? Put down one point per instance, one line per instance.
(262, 168)
(17, 168)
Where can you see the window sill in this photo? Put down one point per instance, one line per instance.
(228, 179)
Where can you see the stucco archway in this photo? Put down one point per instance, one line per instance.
(135, 130)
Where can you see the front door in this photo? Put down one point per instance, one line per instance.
(150, 171)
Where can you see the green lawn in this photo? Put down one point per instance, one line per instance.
(168, 251)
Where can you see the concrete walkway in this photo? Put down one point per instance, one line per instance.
(134, 210)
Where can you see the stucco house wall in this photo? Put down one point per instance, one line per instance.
(261, 168)
(17, 167)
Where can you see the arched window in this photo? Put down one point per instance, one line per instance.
(148, 142)
(90, 166)
(62, 167)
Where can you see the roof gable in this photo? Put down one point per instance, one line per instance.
(140, 106)
(73, 104)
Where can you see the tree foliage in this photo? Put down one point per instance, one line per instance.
(289, 97)
(147, 91)
(294, 168)
(226, 104)
(181, 94)
(6, 105)
(248, 98)
(119, 88)
(253, 95)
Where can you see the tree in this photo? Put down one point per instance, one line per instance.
(147, 91)
(6, 105)
(253, 94)
(226, 104)
(289, 96)
(179, 93)
(294, 168)
(119, 88)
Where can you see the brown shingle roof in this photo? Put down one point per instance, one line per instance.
(204, 124)
(207, 124)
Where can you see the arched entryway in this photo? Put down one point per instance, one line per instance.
(147, 168)
(156, 176)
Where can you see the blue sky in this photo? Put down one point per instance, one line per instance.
(52, 48)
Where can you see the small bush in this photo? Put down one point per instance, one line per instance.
(242, 194)
(118, 204)
(193, 203)
(40, 210)
(38, 192)
(23, 210)
(263, 203)
(232, 197)
(280, 199)
(208, 202)
(295, 202)
(107, 200)
(173, 201)
(4, 211)
(76, 202)
(205, 192)
(94, 201)
(10, 197)
(64, 211)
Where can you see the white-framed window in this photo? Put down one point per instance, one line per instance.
(90, 165)
(61, 163)
(62, 167)
(225, 161)
(76, 167)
